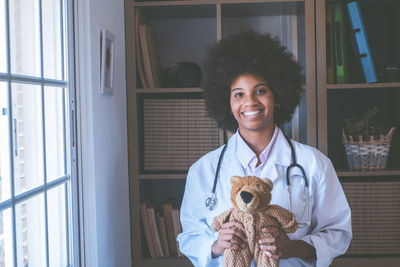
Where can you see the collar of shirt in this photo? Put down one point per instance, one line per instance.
(248, 158)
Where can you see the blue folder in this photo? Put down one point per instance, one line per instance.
(361, 41)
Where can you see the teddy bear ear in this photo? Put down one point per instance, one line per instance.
(269, 183)
(235, 179)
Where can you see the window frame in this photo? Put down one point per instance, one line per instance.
(70, 180)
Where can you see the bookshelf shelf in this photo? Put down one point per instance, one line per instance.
(162, 176)
(175, 90)
(206, 2)
(181, 10)
(168, 90)
(362, 85)
(164, 262)
(368, 173)
(174, 3)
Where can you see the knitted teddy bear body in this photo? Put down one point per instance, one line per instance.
(251, 197)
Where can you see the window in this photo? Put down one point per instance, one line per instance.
(35, 141)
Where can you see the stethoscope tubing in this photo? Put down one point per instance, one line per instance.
(217, 170)
(294, 164)
(211, 201)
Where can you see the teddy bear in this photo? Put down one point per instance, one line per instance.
(251, 198)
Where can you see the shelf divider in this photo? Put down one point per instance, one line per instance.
(168, 90)
(363, 85)
(368, 173)
(165, 262)
(206, 2)
(162, 176)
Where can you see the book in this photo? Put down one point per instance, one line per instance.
(361, 42)
(139, 17)
(330, 47)
(154, 57)
(154, 232)
(167, 208)
(162, 230)
(177, 228)
(150, 56)
(147, 231)
(342, 43)
(143, 32)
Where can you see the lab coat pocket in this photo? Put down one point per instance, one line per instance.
(212, 214)
(210, 217)
(299, 199)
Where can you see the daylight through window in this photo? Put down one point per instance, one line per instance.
(35, 147)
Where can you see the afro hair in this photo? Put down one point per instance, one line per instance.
(250, 53)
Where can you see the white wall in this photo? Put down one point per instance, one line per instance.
(103, 128)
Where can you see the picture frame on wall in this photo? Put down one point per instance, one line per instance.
(107, 45)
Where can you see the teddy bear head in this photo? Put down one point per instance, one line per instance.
(250, 193)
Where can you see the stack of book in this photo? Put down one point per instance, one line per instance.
(161, 231)
(345, 29)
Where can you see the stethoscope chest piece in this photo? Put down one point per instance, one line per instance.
(211, 202)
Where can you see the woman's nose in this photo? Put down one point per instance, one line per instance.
(251, 100)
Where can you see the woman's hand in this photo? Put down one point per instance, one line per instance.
(281, 247)
(277, 247)
(230, 235)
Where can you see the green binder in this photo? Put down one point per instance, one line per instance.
(330, 47)
(342, 43)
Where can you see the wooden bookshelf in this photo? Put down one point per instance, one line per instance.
(338, 101)
(215, 19)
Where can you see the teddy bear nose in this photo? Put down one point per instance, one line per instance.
(246, 196)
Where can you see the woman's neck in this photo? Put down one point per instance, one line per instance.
(257, 140)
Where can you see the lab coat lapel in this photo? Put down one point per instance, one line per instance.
(279, 159)
(270, 171)
(232, 164)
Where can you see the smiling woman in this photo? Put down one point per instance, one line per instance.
(253, 85)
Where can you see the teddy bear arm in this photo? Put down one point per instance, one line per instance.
(220, 220)
(285, 218)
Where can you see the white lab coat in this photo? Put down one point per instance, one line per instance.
(330, 230)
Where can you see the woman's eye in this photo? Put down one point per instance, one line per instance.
(261, 91)
(238, 95)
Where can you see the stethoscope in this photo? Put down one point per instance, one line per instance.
(212, 201)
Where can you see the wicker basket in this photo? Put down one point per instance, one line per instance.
(367, 155)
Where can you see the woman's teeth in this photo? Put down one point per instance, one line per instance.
(251, 113)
